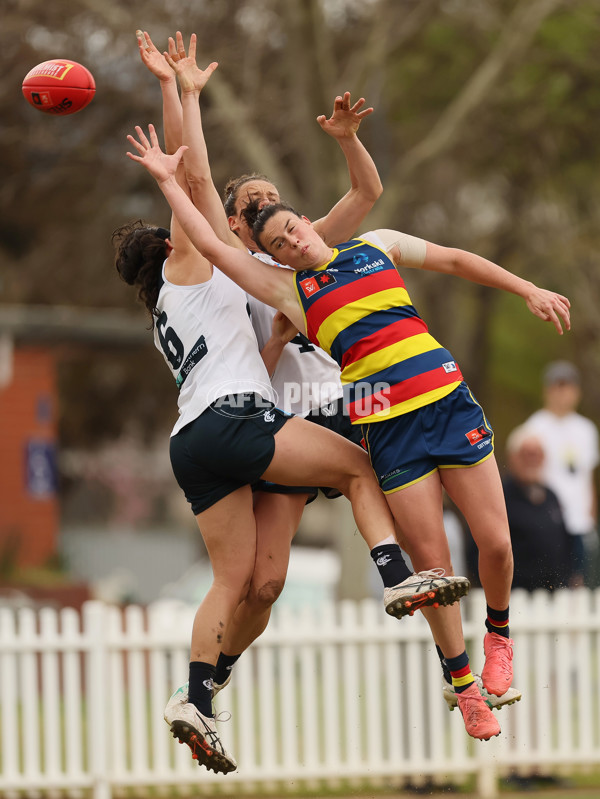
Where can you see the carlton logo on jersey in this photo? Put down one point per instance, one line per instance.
(311, 285)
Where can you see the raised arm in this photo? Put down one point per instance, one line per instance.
(269, 284)
(156, 63)
(547, 305)
(405, 250)
(341, 223)
(192, 80)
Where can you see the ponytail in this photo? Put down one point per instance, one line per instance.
(141, 250)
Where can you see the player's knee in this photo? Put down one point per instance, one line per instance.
(266, 594)
(497, 551)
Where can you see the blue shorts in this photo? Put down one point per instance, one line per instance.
(450, 433)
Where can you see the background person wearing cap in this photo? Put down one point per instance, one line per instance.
(570, 444)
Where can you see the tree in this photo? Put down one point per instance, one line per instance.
(483, 134)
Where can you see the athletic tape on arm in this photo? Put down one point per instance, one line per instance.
(412, 249)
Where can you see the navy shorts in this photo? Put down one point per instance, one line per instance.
(448, 434)
(230, 444)
(332, 417)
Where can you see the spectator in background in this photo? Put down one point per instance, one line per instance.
(570, 443)
(541, 543)
(539, 537)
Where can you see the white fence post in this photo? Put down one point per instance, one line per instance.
(8, 697)
(97, 698)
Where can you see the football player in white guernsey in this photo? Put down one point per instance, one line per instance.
(230, 434)
(303, 376)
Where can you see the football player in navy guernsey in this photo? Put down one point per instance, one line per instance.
(423, 428)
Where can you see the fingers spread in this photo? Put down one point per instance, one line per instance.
(365, 112)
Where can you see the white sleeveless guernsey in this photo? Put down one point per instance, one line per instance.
(205, 335)
(305, 377)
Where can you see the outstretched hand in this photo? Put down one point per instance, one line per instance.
(191, 77)
(152, 57)
(551, 307)
(160, 165)
(345, 119)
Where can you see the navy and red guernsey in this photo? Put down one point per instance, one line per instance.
(357, 309)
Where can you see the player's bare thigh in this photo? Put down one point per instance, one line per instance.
(477, 492)
(307, 454)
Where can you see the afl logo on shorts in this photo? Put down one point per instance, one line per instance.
(236, 398)
(475, 436)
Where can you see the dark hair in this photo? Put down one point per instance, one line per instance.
(232, 190)
(141, 250)
(256, 217)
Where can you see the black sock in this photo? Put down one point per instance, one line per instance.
(444, 665)
(201, 686)
(224, 665)
(392, 568)
(497, 622)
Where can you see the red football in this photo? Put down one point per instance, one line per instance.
(59, 87)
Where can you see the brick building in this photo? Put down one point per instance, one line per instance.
(28, 439)
(32, 340)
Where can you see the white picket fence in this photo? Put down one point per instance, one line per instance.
(342, 696)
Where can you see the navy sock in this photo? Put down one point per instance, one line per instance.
(201, 686)
(460, 672)
(224, 665)
(497, 622)
(444, 665)
(392, 568)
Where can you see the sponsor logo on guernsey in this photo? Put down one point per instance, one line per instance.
(196, 354)
(311, 285)
(477, 435)
(374, 266)
(450, 366)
